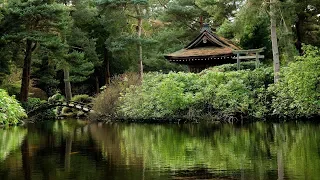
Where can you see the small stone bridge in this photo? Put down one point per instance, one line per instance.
(87, 108)
(76, 105)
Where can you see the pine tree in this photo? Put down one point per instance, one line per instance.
(36, 23)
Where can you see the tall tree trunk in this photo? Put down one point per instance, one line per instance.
(107, 66)
(274, 40)
(97, 84)
(67, 84)
(139, 31)
(24, 91)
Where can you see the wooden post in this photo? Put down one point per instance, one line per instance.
(257, 60)
(238, 61)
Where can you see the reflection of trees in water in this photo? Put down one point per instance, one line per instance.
(252, 151)
(54, 150)
(62, 150)
(10, 140)
(112, 145)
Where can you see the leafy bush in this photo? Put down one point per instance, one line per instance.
(106, 102)
(82, 98)
(38, 93)
(10, 110)
(298, 92)
(31, 104)
(160, 95)
(12, 89)
(221, 93)
(43, 114)
(233, 67)
(12, 81)
(227, 95)
(56, 97)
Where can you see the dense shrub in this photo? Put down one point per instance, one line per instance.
(12, 89)
(106, 102)
(160, 95)
(10, 110)
(251, 65)
(227, 95)
(298, 92)
(222, 93)
(82, 98)
(38, 93)
(39, 110)
(12, 82)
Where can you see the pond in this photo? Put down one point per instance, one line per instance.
(74, 149)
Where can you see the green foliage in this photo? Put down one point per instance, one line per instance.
(106, 102)
(250, 28)
(31, 104)
(223, 93)
(297, 94)
(228, 95)
(34, 20)
(220, 10)
(36, 103)
(12, 88)
(11, 112)
(83, 98)
(250, 65)
(44, 72)
(56, 97)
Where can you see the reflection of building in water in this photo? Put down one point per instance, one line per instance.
(140, 151)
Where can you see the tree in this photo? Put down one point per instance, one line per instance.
(220, 10)
(250, 16)
(303, 17)
(36, 23)
(134, 9)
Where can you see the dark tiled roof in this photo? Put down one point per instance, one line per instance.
(207, 44)
(198, 52)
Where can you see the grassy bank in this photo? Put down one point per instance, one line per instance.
(220, 93)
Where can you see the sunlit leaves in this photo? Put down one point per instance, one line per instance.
(183, 94)
(10, 110)
(298, 93)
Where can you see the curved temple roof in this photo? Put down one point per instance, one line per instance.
(206, 46)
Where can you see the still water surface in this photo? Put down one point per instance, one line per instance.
(82, 150)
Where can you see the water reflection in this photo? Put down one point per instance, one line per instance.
(83, 150)
(10, 140)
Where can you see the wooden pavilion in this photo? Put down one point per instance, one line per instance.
(206, 50)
